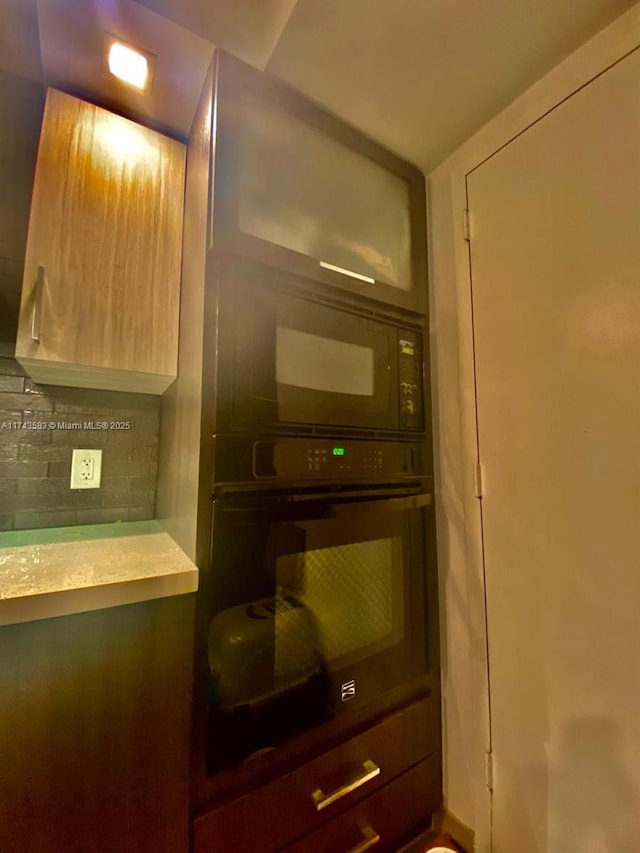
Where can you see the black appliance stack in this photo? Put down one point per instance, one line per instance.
(318, 606)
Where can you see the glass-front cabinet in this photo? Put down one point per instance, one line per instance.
(299, 189)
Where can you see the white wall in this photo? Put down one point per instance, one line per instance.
(465, 706)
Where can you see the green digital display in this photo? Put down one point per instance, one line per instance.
(338, 451)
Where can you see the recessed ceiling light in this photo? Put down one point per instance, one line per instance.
(128, 65)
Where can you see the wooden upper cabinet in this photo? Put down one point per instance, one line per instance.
(101, 290)
(300, 190)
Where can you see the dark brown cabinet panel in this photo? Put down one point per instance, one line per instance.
(21, 105)
(300, 801)
(94, 731)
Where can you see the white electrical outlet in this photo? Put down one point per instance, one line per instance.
(86, 469)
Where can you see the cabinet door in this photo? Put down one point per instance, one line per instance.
(300, 190)
(100, 295)
(94, 731)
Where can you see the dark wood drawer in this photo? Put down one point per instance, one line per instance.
(382, 821)
(297, 803)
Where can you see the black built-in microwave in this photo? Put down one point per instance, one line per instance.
(292, 359)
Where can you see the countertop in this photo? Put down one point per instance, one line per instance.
(59, 571)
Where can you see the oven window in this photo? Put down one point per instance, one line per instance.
(319, 363)
(353, 595)
(306, 601)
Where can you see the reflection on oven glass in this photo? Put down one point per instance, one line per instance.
(333, 606)
(352, 592)
(261, 649)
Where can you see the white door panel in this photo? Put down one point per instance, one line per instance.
(555, 264)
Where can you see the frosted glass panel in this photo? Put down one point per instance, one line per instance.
(303, 190)
(323, 364)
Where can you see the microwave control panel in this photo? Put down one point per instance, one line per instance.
(410, 379)
(325, 459)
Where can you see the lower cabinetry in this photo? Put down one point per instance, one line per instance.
(384, 820)
(383, 782)
(94, 731)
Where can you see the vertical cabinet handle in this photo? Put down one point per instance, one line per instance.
(37, 305)
(322, 800)
(369, 838)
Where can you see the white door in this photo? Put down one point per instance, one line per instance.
(555, 268)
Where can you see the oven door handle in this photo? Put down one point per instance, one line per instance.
(388, 505)
(302, 509)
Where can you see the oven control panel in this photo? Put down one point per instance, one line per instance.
(325, 459)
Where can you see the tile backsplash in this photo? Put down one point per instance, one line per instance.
(40, 425)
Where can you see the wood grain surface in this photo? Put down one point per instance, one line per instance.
(106, 223)
(94, 731)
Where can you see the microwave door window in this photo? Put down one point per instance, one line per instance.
(330, 380)
(300, 362)
(317, 363)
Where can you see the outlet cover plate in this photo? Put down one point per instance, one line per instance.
(86, 469)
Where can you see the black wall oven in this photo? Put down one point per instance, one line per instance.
(318, 610)
(289, 361)
(317, 607)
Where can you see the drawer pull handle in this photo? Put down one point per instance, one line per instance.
(369, 838)
(37, 305)
(322, 800)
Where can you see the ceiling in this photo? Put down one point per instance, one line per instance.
(19, 47)
(72, 48)
(420, 76)
(249, 29)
